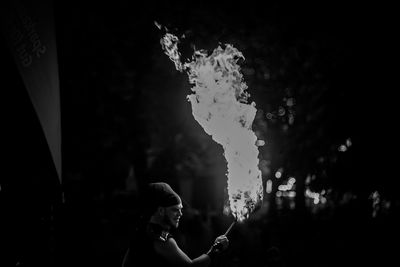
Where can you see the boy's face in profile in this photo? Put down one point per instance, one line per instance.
(172, 214)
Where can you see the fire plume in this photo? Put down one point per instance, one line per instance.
(220, 105)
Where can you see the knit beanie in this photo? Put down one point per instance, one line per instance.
(161, 195)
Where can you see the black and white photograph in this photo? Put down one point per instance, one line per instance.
(198, 133)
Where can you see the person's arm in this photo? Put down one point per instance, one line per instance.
(171, 251)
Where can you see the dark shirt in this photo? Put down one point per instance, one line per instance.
(141, 249)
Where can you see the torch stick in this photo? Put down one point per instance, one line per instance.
(218, 245)
(229, 229)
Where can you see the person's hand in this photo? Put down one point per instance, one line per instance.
(221, 242)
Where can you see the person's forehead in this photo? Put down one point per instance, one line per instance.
(178, 206)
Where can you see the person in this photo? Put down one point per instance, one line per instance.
(153, 244)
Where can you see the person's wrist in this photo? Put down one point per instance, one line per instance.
(210, 254)
(215, 249)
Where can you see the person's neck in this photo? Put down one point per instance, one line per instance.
(155, 220)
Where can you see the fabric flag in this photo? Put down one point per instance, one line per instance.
(30, 33)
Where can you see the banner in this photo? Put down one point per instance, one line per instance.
(28, 27)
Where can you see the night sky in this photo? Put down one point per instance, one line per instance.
(124, 109)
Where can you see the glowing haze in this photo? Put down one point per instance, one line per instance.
(219, 105)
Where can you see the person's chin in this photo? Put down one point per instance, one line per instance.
(176, 223)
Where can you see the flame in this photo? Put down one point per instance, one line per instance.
(219, 105)
(169, 44)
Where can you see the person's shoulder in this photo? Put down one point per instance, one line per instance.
(162, 236)
(165, 246)
(158, 234)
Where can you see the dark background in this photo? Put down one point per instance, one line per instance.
(126, 122)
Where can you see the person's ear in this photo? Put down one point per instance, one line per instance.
(161, 211)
